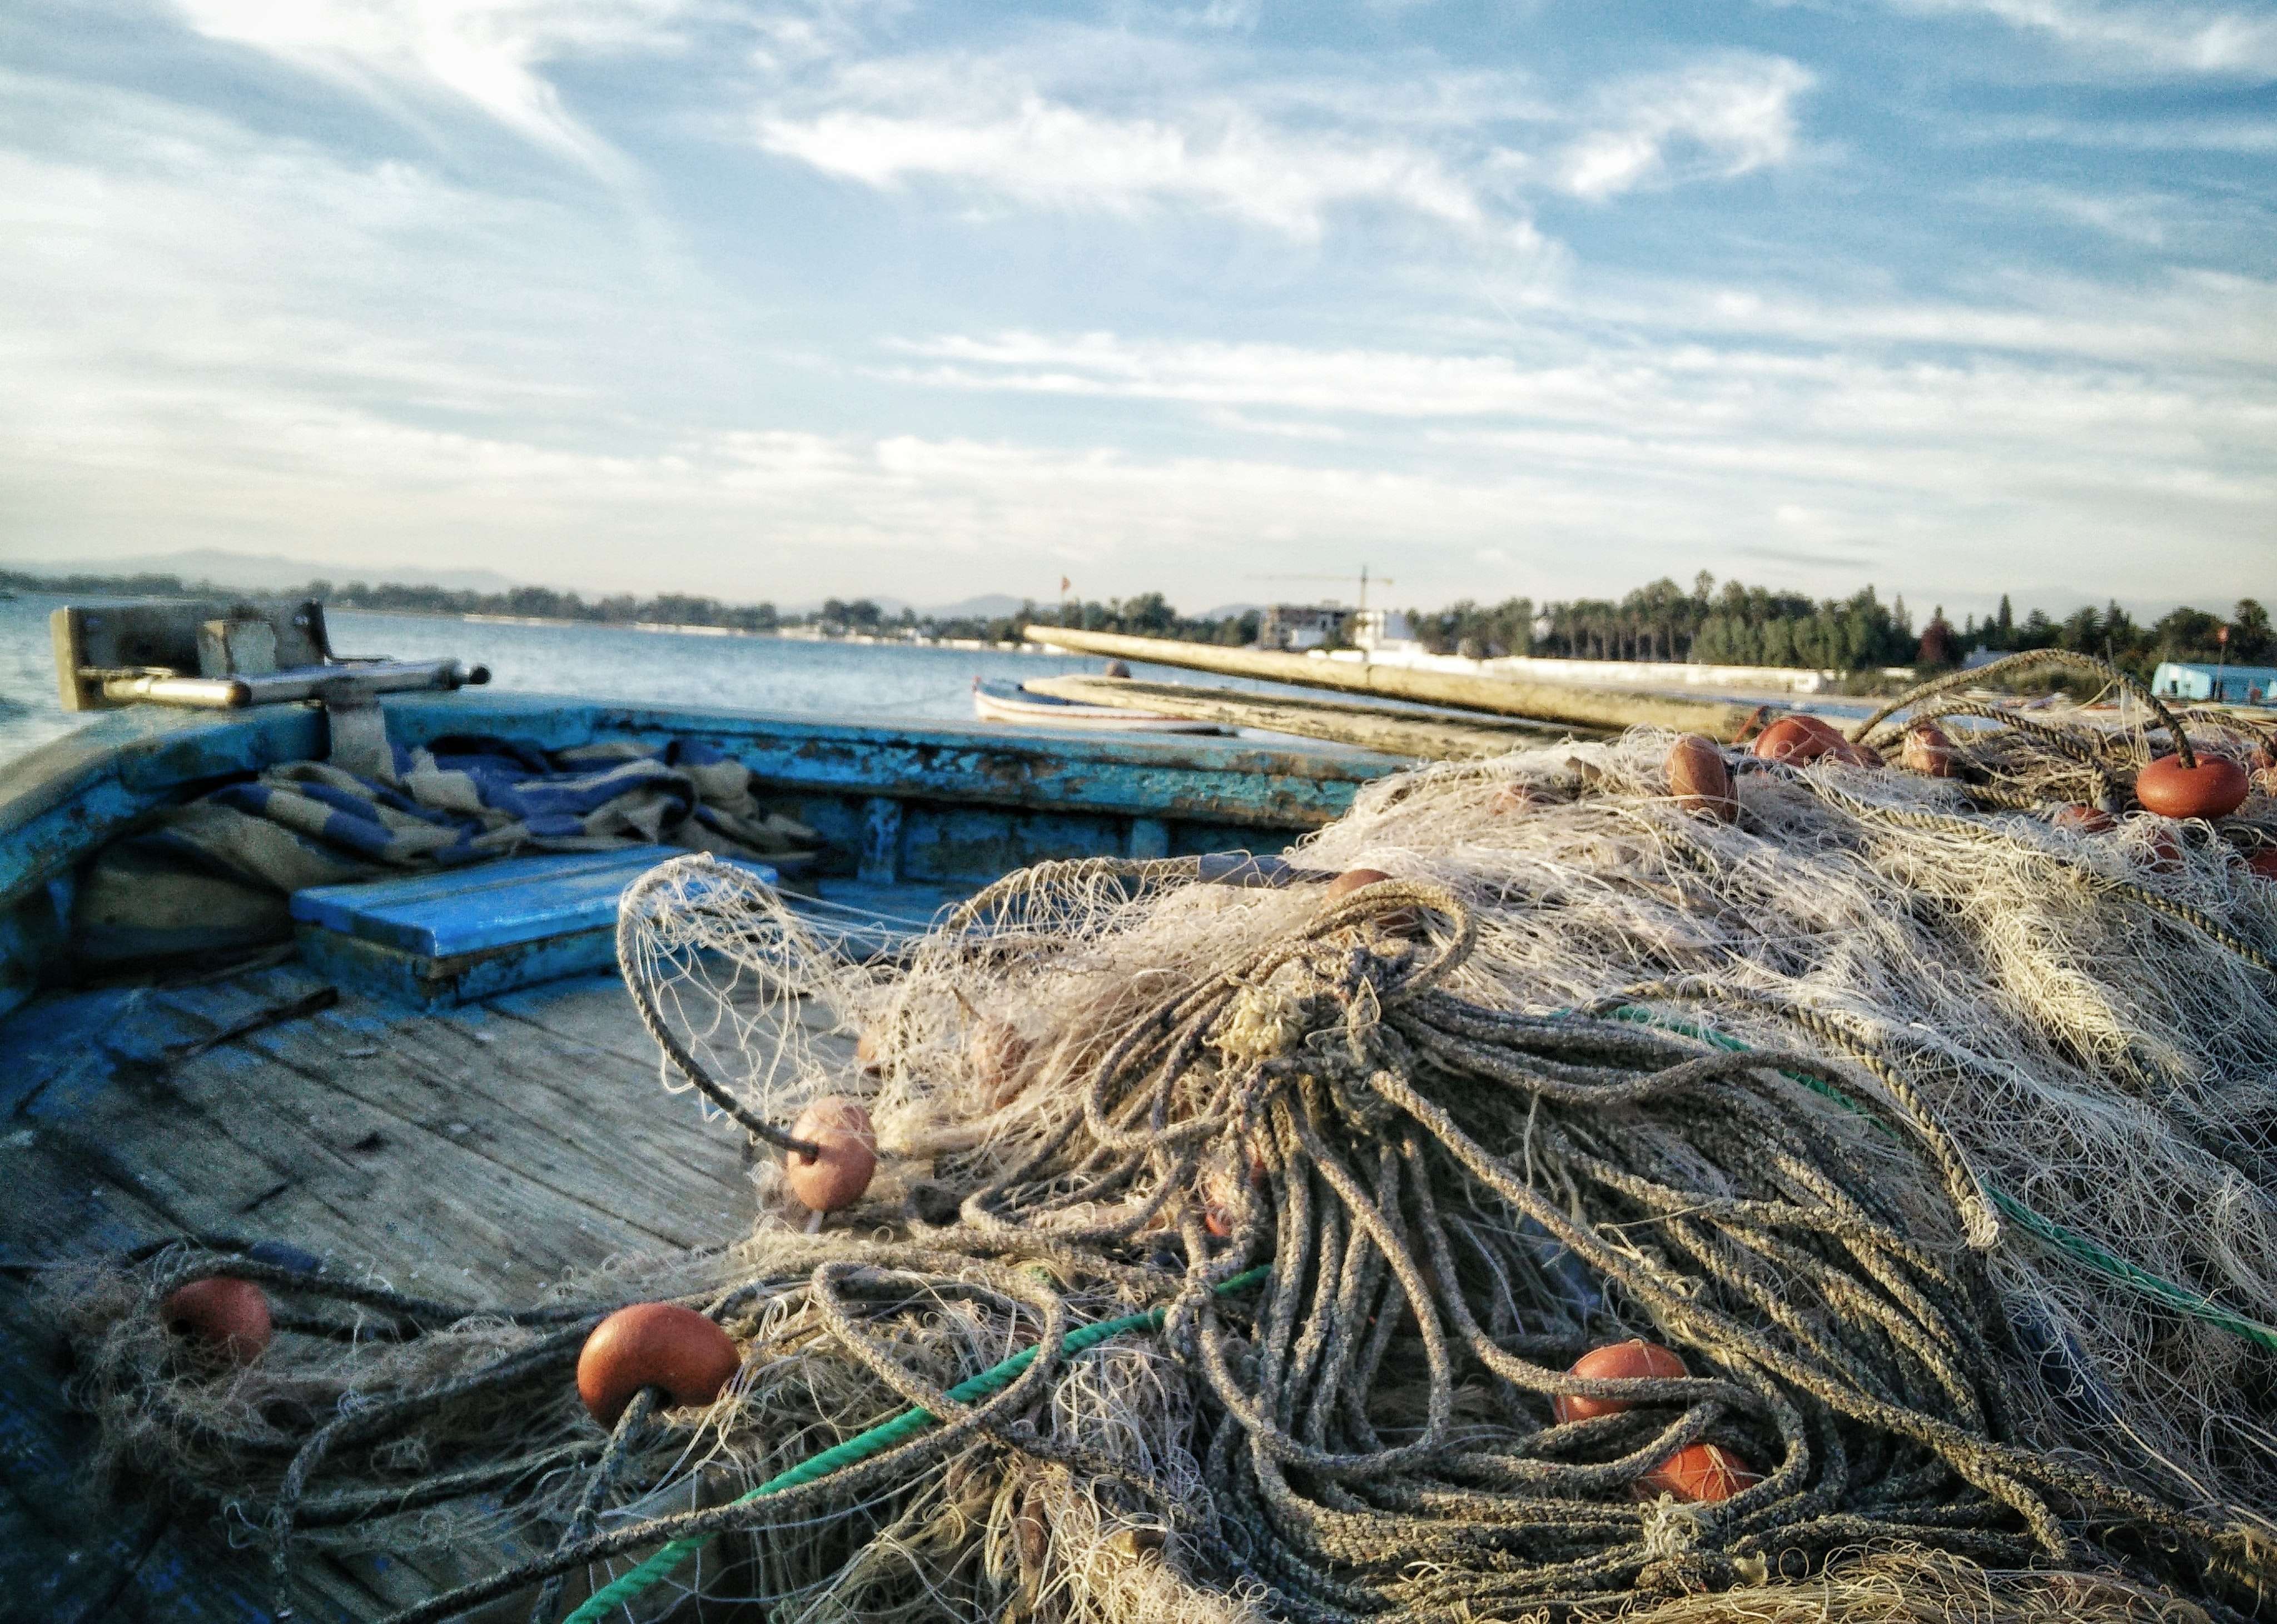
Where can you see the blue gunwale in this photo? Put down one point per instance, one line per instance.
(1066, 793)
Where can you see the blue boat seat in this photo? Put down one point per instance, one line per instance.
(455, 935)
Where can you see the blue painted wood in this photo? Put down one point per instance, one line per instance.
(881, 840)
(1150, 837)
(457, 911)
(1067, 795)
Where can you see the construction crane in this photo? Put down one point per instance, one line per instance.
(1381, 581)
(1359, 614)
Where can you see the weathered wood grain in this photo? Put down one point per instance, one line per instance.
(478, 1156)
(1393, 732)
(1547, 702)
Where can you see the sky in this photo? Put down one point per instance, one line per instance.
(1222, 299)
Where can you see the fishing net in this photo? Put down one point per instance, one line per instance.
(1235, 1233)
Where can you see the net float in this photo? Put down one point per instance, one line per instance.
(1630, 1361)
(2085, 819)
(1698, 780)
(1703, 1473)
(654, 1345)
(869, 1054)
(2216, 787)
(1927, 751)
(999, 1055)
(2263, 863)
(1399, 921)
(1792, 738)
(223, 1313)
(839, 1128)
(1511, 798)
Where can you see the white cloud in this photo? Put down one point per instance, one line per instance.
(1723, 119)
(999, 133)
(2136, 40)
(488, 54)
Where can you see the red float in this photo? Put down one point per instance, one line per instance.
(2216, 787)
(1703, 1473)
(654, 1345)
(1617, 1361)
(839, 1128)
(222, 1313)
(1698, 780)
(1927, 751)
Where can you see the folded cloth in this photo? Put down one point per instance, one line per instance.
(217, 875)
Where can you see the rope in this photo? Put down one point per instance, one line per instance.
(2033, 659)
(2101, 1259)
(860, 1447)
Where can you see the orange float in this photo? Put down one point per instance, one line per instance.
(654, 1345)
(839, 1128)
(1399, 921)
(2085, 820)
(1703, 1472)
(1699, 779)
(2215, 787)
(999, 1057)
(1927, 750)
(1628, 1361)
(223, 1313)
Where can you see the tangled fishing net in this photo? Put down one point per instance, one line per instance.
(1238, 1232)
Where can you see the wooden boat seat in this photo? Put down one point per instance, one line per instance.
(456, 935)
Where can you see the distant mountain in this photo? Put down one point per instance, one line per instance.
(1229, 612)
(247, 571)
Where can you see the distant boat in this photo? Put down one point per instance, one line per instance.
(997, 701)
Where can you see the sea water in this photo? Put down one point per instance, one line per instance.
(883, 680)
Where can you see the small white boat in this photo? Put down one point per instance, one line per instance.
(996, 701)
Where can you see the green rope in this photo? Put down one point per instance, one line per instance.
(2079, 1247)
(661, 1567)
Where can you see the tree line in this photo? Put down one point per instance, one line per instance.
(1729, 625)
(1740, 625)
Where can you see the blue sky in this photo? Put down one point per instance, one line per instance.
(1953, 297)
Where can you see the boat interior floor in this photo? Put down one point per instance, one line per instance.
(478, 1152)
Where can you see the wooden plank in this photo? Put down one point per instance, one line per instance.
(1548, 701)
(340, 907)
(301, 1122)
(1394, 733)
(534, 1146)
(71, 1183)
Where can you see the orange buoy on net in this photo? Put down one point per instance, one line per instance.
(870, 1054)
(1512, 797)
(999, 1055)
(1796, 738)
(654, 1345)
(2215, 787)
(1800, 739)
(2086, 820)
(1398, 922)
(2263, 863)
(1699, 779)
(221, 1313)
(840, 1130)
(1927, 750)
(1628, 1361)
(1703, 1473)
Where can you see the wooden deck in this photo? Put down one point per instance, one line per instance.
(478, 1152)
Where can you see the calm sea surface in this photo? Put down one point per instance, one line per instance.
(613, 662)
(595, 662)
